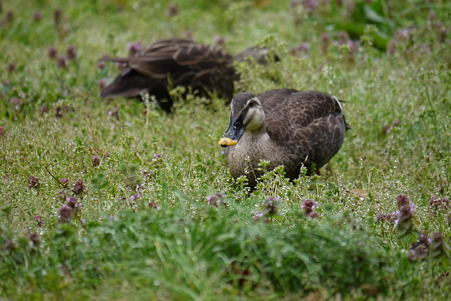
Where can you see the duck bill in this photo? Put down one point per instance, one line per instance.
(232, 135)
(224, 142)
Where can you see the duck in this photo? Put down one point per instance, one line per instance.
(174, 62)
(285, 127)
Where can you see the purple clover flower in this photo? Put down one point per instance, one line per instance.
(64, 182)
(101, 83)
(386, 217)
(79, 187)
(62, 62)
(420, 249)
(15, 101)
(101, 65)
(219, 40)
(62, 195)
(65, 214)
(404, 216)
(215, 200)
(114, 112)
(39, 220)
(71, 202)
(71, 52)
(135, 197)
(33, 182)
(52, 52)
(438, 247)
(353, 46)
(309, 208)
(172, 10)
(402, 200)
(35, 239)
(134, 48)
(152, 205)
(9, 16)
(303, 48)
(43, 110)
(325, 43)
(95, 160)
(418, 253)
(271, 205)
(57, 17)
(37, 16)
(11, 67)
(258, 215)
(439, 204)
(310, 5)
(343, 38)
(433, 247)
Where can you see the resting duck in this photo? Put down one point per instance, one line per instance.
(285, 127)
(177, 62)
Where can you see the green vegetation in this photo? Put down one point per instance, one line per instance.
(115, 199)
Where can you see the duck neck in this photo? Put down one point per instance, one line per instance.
(256, 134)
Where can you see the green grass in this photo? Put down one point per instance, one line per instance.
(119, 248)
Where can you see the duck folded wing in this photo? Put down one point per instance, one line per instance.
(289, 112)
(169, 58)
(319, 141)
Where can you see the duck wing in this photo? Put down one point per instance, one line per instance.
(159, 59)
(185, 63)
(289, 111)
(310, 123)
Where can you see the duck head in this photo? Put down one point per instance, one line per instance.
(246, 115)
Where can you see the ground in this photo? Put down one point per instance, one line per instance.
(115, 199)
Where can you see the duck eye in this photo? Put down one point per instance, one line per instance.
(237, 126)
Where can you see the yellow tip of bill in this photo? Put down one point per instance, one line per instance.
(226, 142)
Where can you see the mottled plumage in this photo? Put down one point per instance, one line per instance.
(285, 127)
(176, 62)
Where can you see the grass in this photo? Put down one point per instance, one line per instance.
(158, 213)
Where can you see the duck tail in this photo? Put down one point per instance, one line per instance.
(339, 101)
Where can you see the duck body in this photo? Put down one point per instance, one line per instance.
(177, 62)
(283, 126)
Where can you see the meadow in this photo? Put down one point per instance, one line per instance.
(118, 200)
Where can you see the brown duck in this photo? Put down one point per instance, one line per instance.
(177, 62)
(285, 127)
